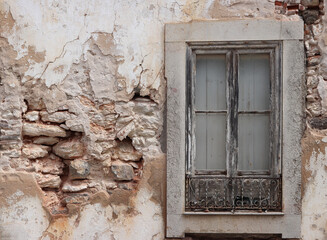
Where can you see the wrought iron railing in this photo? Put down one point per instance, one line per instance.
(219, 193)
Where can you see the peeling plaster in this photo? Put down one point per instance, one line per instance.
(313, 202)
(21, 210)
(102, 62)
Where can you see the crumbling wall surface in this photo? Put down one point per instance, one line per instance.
(82, 95)
(314, 165)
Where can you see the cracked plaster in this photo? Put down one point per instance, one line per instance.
(85, 57)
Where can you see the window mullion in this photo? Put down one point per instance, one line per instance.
(235, 114)
(232, 102)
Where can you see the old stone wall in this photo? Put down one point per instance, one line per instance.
(83, 94)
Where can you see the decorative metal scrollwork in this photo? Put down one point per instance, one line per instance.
(212, 193)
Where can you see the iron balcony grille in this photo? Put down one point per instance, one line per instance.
(219, 193)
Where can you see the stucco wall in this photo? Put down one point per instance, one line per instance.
(83, 95)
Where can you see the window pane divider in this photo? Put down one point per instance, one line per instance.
(232, 105)
(210, 172)
(254, 112)
(210, 111)
(254, 172)
(239, 112)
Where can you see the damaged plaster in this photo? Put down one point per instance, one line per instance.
(83, 95)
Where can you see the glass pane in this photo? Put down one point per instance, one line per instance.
(253, 141)
(254, 82)
(210, 84)
(210, 134)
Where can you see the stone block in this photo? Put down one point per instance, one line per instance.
(310, 16)
(122, 171)
(33, 151)
(75, 125)
(310, 3)
(48, 180)
(38, 129)
(56, 117)
(312, 61)
(69, 149)
(69, 187)
(319, 123)
(46, 140)
(79, 169)
(76, 198)
(32, 116)
(49, 165)
(126, 152)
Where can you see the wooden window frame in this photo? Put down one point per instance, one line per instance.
(258, 183)
(232, 50)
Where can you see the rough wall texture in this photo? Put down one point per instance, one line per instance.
(82, 111)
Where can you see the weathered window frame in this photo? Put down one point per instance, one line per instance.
(177, 39)
(238, 185)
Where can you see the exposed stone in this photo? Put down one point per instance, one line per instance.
(79, 169)
(317, 29)
(123, 132)
(310, 3)
(144, 106)
(125, 186)
(134, 165)
(106, 165)
(48, 180)
(319, 123)
(49, 165)
(122, 171)
(76, 198)
(69, 149)
(312, 81)
(311, 71)
(314, 60)
(310, 16)
(46, 140)
(126, 152)
(38, 129)
(314, 108)
(109, 184)
(69, 187)
(75, 125)
(56, 117)
(313, 97)
(64, 126)
(33, 151)
(313, 51)
(32, 116)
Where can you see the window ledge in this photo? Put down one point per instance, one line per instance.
(235, 213)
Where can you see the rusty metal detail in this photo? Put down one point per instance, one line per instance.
(221, 193)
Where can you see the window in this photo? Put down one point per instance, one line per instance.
(234, 156)
(233, 150)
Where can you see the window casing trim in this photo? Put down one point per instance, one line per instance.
(177, 38)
